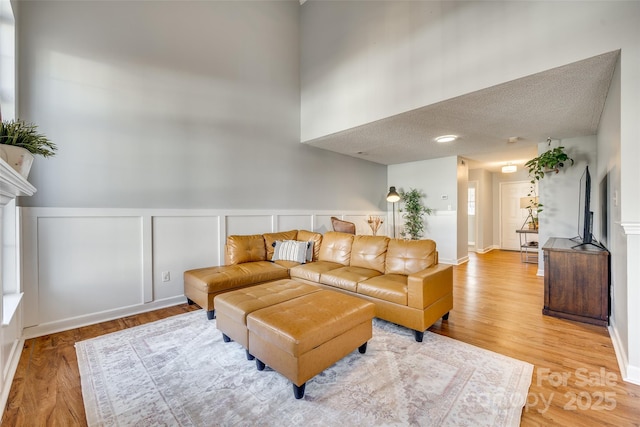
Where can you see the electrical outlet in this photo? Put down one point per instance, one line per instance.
(166, 276)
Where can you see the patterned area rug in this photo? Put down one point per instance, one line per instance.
(179, 372)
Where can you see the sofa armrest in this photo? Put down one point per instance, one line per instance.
(429, 285)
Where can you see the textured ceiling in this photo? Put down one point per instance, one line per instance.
(563, 102)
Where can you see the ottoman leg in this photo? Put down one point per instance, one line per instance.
(211, 314)
(419, 335)
(259, 365)
(298, 391)
(225, 338)
(363, 348)
(249, 355)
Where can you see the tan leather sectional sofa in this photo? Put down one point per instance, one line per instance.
(402, 278)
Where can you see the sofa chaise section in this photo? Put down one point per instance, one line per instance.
(246, 264)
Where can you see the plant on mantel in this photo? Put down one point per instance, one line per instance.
(414, 210)
(19, 133)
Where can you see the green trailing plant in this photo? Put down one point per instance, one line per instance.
(549, 161)
(21, 134)
(414, 211)
(534, 207)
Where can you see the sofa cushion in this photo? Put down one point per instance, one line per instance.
(270, 239)
(313, 270)
(369, 252)
(310, 236)
(388, 287)
(409, 256)
(215, 279)
(291, 250)
(347, 277)
(336, 247)
(241, 249)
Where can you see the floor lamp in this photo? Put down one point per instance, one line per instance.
(393, 197)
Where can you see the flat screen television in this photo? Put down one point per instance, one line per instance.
(585, 216)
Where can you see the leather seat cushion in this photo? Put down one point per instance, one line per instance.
(347, 277)
(241, 249)
(237, 304)
(319, 317)
(409, 256)
(369, 252)
(312, 271)
(215, 279)
(310, 236)
(389, 287)
(336, 247)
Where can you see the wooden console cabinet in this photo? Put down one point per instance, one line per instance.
(576, 281)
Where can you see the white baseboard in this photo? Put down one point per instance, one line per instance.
(463, 260)
(487, 249)
(630, 374)
(93, 318)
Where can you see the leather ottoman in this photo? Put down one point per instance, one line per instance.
(232, 308)
(302, 337)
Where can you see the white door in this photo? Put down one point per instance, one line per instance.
(511, 215)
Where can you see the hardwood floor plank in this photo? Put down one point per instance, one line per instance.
(497, 306)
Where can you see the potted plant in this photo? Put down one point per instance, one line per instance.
(19, 141)
(549, 161)
(414, 211)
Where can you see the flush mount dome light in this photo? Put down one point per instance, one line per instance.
(446, 138)
(509, 168)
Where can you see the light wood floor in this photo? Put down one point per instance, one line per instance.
(497, 306)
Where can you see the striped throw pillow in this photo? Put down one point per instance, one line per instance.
(290, 250)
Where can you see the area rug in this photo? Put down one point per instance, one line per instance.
(179, 372)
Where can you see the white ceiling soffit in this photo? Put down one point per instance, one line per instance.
(563, 102)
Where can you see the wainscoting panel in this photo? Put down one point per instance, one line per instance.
(248, 224)
(88, 265)
(286, 222)
(441, 227)
(322, 223)
(83, 266)
(183, 243)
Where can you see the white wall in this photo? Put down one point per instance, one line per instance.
(363, 61)
(613, 236)
(560, 193)
(84, 265)
(437, 179)
(484, 209)
(176, 105)
(462, 215)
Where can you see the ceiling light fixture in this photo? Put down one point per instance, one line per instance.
(446, 138)
(509, 168)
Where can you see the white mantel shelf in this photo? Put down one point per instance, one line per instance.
(12, 184)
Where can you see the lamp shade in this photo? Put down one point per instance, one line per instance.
(393, 195)
(528, 202)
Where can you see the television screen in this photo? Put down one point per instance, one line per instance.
(585, 216)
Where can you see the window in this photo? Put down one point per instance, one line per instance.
(471, 208)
